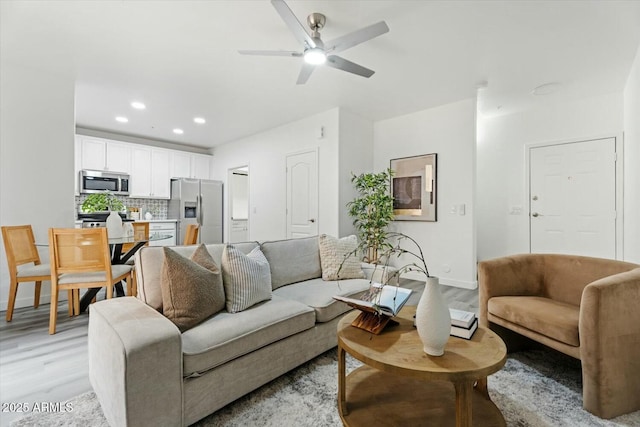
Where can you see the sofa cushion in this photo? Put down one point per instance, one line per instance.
(334, 256)
(554, 319)
(292, 260)
(149, 260)
(318, 294)
(226, 336)
(247, 278)
(191, 288)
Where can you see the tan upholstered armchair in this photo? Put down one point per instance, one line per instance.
(588, 308)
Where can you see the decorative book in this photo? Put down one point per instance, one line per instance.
(461, 318)
(465, 333)
(378, 305)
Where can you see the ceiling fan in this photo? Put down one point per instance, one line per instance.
(316, 52)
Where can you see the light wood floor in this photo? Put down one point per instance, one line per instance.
(38, 367)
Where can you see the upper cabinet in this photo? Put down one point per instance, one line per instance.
(99, 154)
(150, 168)
(150, 175)
(189, 165)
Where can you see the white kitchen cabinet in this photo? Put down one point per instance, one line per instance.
(163, 227)
(180, 164)
(150, 174)
(200, 166)
(104, 155)
(189, 165)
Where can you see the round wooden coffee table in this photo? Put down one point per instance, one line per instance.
(401, 385)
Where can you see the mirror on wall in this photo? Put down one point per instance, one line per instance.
(238, 183)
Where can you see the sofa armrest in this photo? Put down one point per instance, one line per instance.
(512, 275)
(610, 344)
(135, 363)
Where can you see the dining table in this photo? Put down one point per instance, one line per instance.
(117, 257)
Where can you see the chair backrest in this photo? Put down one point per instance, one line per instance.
(140, 232)
(79, 250)
(19, 244)
(191, 235)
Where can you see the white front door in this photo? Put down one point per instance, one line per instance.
(302, 194)
(572, 198)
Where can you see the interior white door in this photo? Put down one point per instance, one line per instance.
(573, 198)
(302, 194)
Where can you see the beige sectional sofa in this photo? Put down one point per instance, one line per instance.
(145, 372)
(584, 307)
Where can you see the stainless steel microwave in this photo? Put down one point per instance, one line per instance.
(100, 181)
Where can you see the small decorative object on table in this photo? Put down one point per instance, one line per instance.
(463, 323)
(378, 305)
(433, 320)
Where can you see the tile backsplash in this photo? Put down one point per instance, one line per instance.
(157, 207)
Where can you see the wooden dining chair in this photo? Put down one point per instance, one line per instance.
(80, 259)
(140, 232)
(191, 235)
(24, 264)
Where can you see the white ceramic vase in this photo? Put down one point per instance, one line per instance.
(114, 225)
(433, 320)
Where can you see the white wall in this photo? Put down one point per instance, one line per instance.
(356, 156)
(36, 160)
(631, 163)
(265, 153)
(449, 131)
(501, 162)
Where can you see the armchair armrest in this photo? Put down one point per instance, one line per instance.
(610, 344)
(135, 363)
(512, 275)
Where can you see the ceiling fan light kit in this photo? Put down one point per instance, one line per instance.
(314, 51)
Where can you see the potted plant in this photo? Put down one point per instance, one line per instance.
(100, 202)
(372, 211)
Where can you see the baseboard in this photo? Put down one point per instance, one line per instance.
(444, 280)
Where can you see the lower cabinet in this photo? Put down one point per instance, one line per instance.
(165, 228)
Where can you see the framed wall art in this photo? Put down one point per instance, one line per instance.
(413, 187)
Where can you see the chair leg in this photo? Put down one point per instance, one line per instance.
(70, 298)
(53, 315)
(13, 290)
(36, 295)
(76, 301)
(110, 291)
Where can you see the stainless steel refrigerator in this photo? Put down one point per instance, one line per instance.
(197, 201)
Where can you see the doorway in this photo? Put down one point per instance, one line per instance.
(238, 211)
(573, 198)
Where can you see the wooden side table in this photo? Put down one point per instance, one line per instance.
(400, 385)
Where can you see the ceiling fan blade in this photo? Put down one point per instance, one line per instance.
(305, 72)
(340, 63)
(292, 22)
(356, 37)
(271, 53)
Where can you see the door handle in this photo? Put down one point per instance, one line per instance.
(536, 214)
(312, 220)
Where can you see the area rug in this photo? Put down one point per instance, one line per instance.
(537, 388)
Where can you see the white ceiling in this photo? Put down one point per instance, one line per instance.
(180, 58)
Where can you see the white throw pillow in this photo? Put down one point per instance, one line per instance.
(247, 278)
(333, 252)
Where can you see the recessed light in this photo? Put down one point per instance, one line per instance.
(122, 119)
(199, 120)
(178, 131)
(138, 105)
(546, 89)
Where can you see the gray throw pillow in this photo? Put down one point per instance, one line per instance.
(247, 278)
(192, 289)
(334, 252)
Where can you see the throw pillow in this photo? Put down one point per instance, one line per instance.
(246, 278)
(192, 289)
(334, 252)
